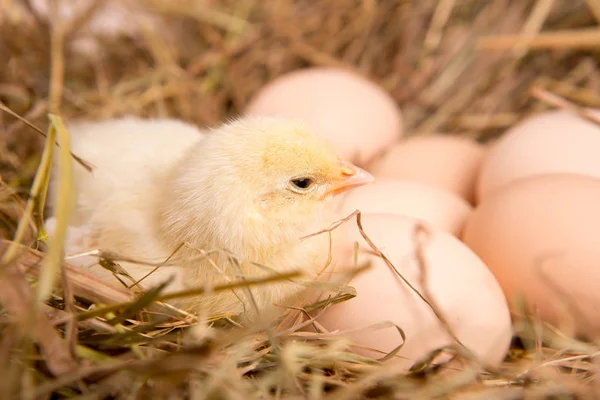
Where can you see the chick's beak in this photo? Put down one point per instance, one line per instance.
(350, 177)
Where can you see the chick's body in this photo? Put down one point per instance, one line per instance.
(253, 187)
(131, 158)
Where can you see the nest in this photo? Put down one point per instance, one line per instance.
(474, 68)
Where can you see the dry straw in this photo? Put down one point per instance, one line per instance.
(469, 67)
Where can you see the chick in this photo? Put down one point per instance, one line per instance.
(254, 187)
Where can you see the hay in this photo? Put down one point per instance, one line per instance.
(460, 67)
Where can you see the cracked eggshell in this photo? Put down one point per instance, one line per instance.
(550, 142)
(460, 284)
(357, 116)
(437, 207)
(446, 161)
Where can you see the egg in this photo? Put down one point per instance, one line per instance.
(539, 236)
(463, 288)
(449, 162)
(551, 142)
(441, 209)
(357, 116)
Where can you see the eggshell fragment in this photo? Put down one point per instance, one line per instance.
(551, 142)
(441, 209)
(460, 284)
(358, 117)
(540, 237)
(449, 162)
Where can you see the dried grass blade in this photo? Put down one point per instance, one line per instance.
(567, 39)
(84, 284)
(16, 296)
(65, 200)
(192, 292)
(144, 300)
(348, 293)
(87, 166)
(41, 177)
(594, 6)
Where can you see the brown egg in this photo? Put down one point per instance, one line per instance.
(358, 117)
(459, 283)
(551, 142)
(450, 162)
(540, 238)
(441, 209)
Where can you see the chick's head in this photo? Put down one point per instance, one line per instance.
(289, 171)
(256, 183)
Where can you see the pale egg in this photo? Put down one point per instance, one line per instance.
(460, 285)
(539, 236)
(437, 207)
(357, 116)
(551, 142)
(449, 162)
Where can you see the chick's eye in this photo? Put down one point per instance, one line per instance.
(302, 183)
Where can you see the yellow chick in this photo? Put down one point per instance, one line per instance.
(254, 187)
